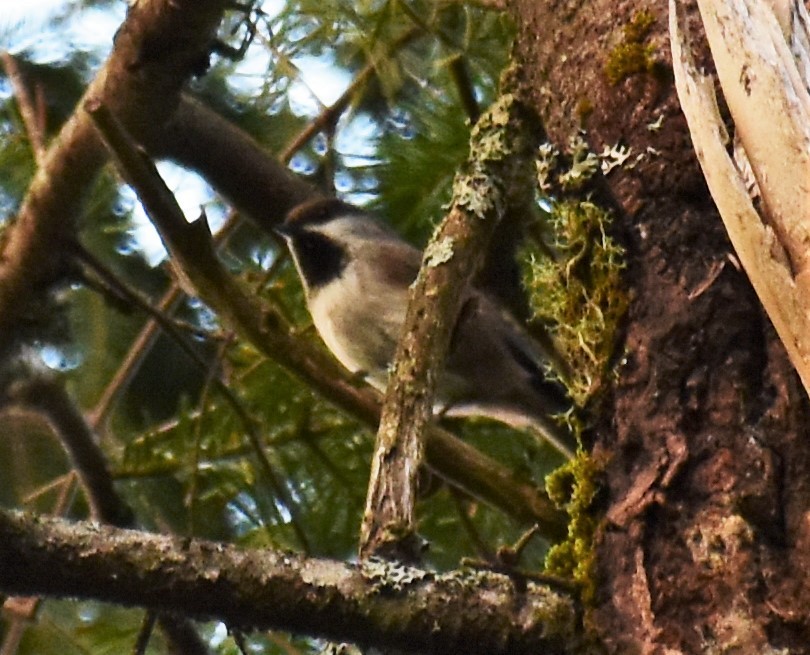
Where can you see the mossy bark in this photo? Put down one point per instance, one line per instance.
(704, 529)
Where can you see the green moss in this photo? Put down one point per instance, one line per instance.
(579, 293)
(573, 487)
(632, 55)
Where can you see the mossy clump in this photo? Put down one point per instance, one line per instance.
(632, 55)
(579, 292)
(573, 487)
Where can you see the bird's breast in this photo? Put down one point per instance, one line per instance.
(359, 317)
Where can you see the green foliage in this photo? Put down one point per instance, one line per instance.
(68, 628)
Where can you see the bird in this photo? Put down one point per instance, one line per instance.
(356, 272)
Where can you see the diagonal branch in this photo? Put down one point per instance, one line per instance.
(329, 117)
(28, 109)
(499, 147)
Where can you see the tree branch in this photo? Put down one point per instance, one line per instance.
(374, 603)
(198, 138)
(230, 160)
(27, 106)
(51, 400)
(455, 252)
(192, 252)
(329, 117)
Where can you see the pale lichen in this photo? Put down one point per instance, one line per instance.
(584, 164)
(386, 575)
(494, 141)
(656, 124)
(439, 252)
(477, 193)
(545, 163)
(613, 157)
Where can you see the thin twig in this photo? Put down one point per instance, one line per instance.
(22, 610)
(145, 633)
(129, 366)
(145, 340)
(106, 276)
(14, 635)
(64, 483)
(484, 551)
(329, 117)
(53, 403)
(244, 417)
(28, 109)
(283, 642)
(191, 494)
(459, 71)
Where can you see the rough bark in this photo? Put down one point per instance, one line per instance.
(703, 544)
(374, 603)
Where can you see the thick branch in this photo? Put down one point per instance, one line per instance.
(374, 603)
(230, 160)
(498, 148)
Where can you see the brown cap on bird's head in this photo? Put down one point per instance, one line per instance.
(318, 211)
(311, 214)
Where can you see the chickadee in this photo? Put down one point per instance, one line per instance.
(356, 273)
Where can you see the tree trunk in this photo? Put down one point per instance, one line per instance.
(705, 538)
